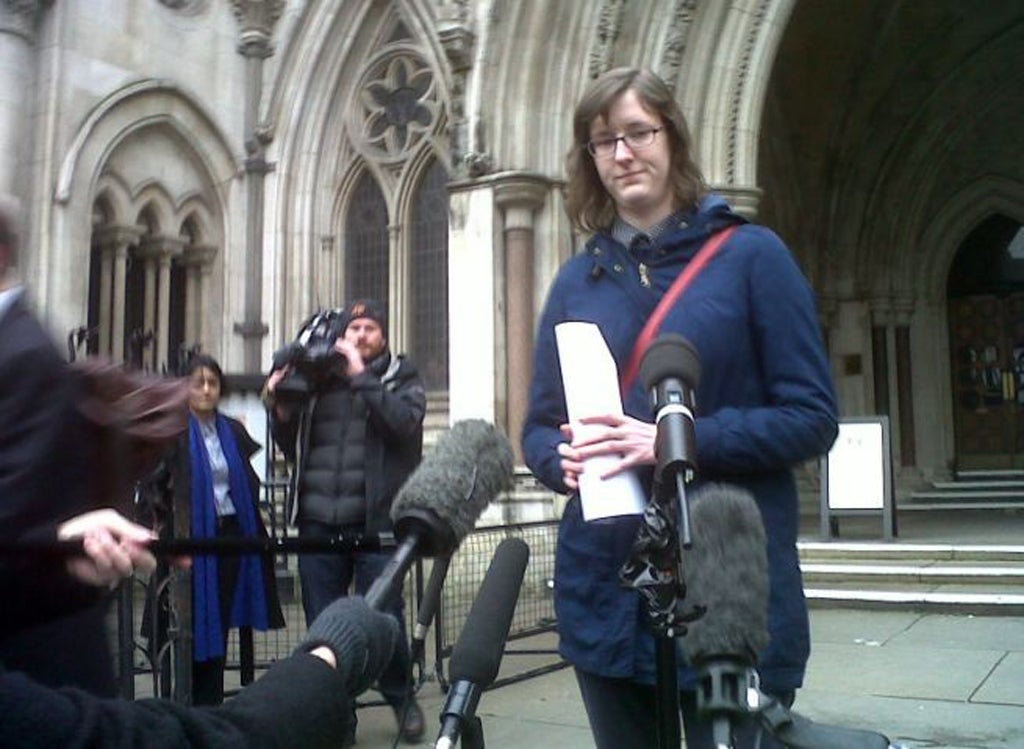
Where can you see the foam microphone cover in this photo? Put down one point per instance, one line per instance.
(476, 656)
(469, 466)
(670, 356)
(726, 571)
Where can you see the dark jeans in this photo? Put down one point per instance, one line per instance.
(326, 577)
(623, 715)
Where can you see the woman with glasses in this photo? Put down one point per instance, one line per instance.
(765, 402)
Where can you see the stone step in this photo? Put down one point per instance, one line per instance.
(951, 495)
(980, 604)
(875, 551)
(996, 473)
(953, 578)
(965, 495)
(1006, 574)
(967, 487)
(959, 504)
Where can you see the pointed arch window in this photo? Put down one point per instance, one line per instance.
(429, 277)
(366, 243)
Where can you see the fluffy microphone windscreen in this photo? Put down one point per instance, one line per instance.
(670, 356)
(726, 570)
(469, 466)
(477, 654)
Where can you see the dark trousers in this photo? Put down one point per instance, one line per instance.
(326, 577)
(623, 715)
(208, 675)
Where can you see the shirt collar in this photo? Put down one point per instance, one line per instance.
(8, 297)
(626, 234)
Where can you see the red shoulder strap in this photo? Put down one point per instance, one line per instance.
(653, 324)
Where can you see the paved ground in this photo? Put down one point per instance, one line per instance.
(924, 680)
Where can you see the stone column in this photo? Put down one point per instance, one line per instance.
(828, 317)
(113, 243)
(472, 302)
(904, 310)
(118, 302)
(205, 256)
(106, 286)
(519, 196)
(149, 302)
(150, 255)
(880, 320)
(165, 249)
(256, 20)
(17, 39)
(399, 309)
(328, 287)
(192, 319)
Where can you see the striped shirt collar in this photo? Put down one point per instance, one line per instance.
(626, 234)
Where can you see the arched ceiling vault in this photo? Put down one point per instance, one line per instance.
(878, 113)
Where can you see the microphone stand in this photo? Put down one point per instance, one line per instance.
(654, 570)
(670, 370)
(670, 447)
(183, 547)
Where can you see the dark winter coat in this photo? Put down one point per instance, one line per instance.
(44, 481)
(169, 490)
(765, 404)
(299, 702)
(395, 403)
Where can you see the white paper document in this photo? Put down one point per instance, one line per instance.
(591, 384)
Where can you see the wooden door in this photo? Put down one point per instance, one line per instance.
(987, 345)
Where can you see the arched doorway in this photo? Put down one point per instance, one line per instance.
(986, 327)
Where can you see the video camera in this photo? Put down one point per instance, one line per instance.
(311, 355)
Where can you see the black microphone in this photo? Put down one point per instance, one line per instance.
(440, 502)
(670, 370)
(428, 606)
(726, 573)
(477, 654)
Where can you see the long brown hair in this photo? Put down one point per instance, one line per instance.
(588, 204)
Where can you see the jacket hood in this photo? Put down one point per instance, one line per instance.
(713, 212)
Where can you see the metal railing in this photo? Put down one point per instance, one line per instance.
(157, 662)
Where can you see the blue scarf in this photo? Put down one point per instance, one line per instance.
(249, 607)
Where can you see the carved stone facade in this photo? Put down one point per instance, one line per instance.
(191, 170)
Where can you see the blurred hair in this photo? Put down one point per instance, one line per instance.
(588, 204)
(200, 361)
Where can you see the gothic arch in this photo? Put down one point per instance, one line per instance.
(961, 213)
(114, 195)
(115, 120)
(725, 95)
(136, 105)
(335, 61)
(195, 210)
(153, 199)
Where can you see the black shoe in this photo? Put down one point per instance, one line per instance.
(412, 727)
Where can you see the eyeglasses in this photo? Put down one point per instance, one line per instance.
(603, 148)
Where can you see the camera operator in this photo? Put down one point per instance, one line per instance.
(354, 439)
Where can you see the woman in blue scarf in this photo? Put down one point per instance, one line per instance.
(208, 474)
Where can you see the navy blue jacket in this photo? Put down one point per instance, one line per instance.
(765, 403)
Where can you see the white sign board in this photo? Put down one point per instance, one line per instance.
(856, 467)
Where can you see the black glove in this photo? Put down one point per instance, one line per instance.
(362, 639)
